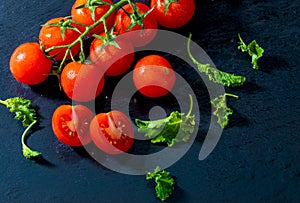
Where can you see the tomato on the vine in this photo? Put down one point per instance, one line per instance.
(29, 65)
(114, 58)
(82, 82)
(52, 34)
(145, 27)
(70, 124)
(84, 15)
(112, 132)
(153, 76)
(177, 13)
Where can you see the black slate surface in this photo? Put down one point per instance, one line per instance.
(257, 157)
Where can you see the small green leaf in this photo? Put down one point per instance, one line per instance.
(22, 108)
(222, 112)
(215, 75)
(164, 183)
(253, 49)
(177, 127)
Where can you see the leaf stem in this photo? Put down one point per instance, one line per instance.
(241, 40)
(191, 107)
(27, 152)
(231, 95)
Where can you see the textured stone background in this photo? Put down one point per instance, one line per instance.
(257, 158)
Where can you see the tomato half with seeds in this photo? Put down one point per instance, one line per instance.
(84, 16)
(82, 82)
(29, 65)
(179, 12)
(52, 36)
(70, 124)
(153, 76)
(140, 35)
(112, 132)
(114, 59)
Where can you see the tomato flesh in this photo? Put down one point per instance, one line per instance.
(112, 132)
(70, 124)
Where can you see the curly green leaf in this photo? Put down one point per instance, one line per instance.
(215, 75)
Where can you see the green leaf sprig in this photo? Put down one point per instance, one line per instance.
(164, 183)
(222, 111)
(22, 108)
(215, 75)
(177, 127)
(253, 49)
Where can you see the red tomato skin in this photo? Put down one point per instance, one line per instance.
(70, 124)
(153, 76)
(112, 60)
(51, 36)
(178, 13)
(29, 65)
(139, 38)
(104, 129)
(83, 16)
(86, 79)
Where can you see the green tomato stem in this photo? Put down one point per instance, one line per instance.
(113, 7)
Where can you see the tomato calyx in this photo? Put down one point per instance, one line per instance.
(137, 18)
(167, 4)
(64, 24)
(109, 39)
(92, 5)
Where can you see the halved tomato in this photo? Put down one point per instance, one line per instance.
(70, 124)
(112, 132)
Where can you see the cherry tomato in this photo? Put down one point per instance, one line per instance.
(113, 60)
(83, 16)
(29, 65)
(153, 76)
(82, 82)
(112, 132)
(70, 124)
(178, 13)
(52, 36)
(142, 37)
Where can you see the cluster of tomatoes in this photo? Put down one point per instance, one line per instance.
(116, 29)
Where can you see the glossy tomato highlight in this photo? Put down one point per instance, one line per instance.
(153, 76)
(52, 36)
(141, 36)
(178, 12)
(114, 59)
(29, 65)
(82, 82)
(84, 15)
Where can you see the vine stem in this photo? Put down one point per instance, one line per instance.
(113, 7)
